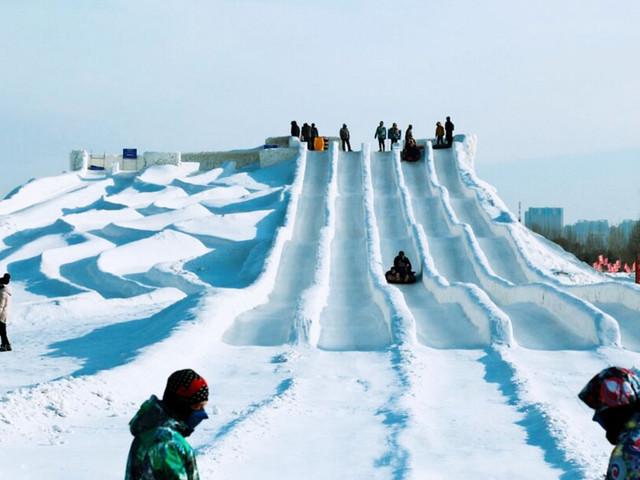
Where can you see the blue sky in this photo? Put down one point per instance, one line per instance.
(533, 79)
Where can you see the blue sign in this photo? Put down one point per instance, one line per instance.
(129, 153)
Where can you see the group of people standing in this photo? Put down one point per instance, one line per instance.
(308, 134)
(442, 131)
(395, 134)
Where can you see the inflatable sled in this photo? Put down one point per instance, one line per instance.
(410, 154)
(391, 278)
(438, 147)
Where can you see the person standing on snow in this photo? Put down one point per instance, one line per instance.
(448, 127)
(314, 135)
(295, 129)
(159, 449)
(306, 133)
(614, 395)
(381, 135)
(344, 136)
(394, 135)
(439, 134)
(5, 311)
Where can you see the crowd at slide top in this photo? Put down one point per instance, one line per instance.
(276, 274)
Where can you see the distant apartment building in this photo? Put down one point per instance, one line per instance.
(546, 221)
(597, 228)
(627, 226)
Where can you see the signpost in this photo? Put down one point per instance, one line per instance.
(130, 153)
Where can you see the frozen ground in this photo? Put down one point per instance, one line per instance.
(270, 283)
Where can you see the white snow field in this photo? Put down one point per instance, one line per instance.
(270, 283)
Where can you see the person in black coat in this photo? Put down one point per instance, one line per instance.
(295, 129)
(314, 135)
(448, 128)
(306, 133)
(402, 266)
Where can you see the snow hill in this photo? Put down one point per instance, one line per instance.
(270, 283)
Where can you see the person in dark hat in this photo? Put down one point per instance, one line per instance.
(159, 449)
(5, 311)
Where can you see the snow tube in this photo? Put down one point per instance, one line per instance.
(391, 279)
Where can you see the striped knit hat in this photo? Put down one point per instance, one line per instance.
(185, 388)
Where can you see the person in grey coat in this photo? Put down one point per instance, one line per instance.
(5, 311)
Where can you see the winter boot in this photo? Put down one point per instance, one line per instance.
(5, 347)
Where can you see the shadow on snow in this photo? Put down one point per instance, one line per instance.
(113, 345)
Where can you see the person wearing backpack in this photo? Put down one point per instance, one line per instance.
(344, 136)
(394, 135)
(381, 135)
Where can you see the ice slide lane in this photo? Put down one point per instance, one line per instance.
(273, 323)
(539, 311)
(353, 318)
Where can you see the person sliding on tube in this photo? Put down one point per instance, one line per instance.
(402, 266)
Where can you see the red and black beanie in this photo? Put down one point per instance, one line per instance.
(185, 388)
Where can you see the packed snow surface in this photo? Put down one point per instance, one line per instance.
(270, 283)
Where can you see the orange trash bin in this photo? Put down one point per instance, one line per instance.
(318, 143)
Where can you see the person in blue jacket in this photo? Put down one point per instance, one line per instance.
(614, 395)
(394, 135)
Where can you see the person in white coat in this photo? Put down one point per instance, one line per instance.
(5, 311)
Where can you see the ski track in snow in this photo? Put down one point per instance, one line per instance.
(270, 282)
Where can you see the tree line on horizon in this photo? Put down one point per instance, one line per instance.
(616, 245)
